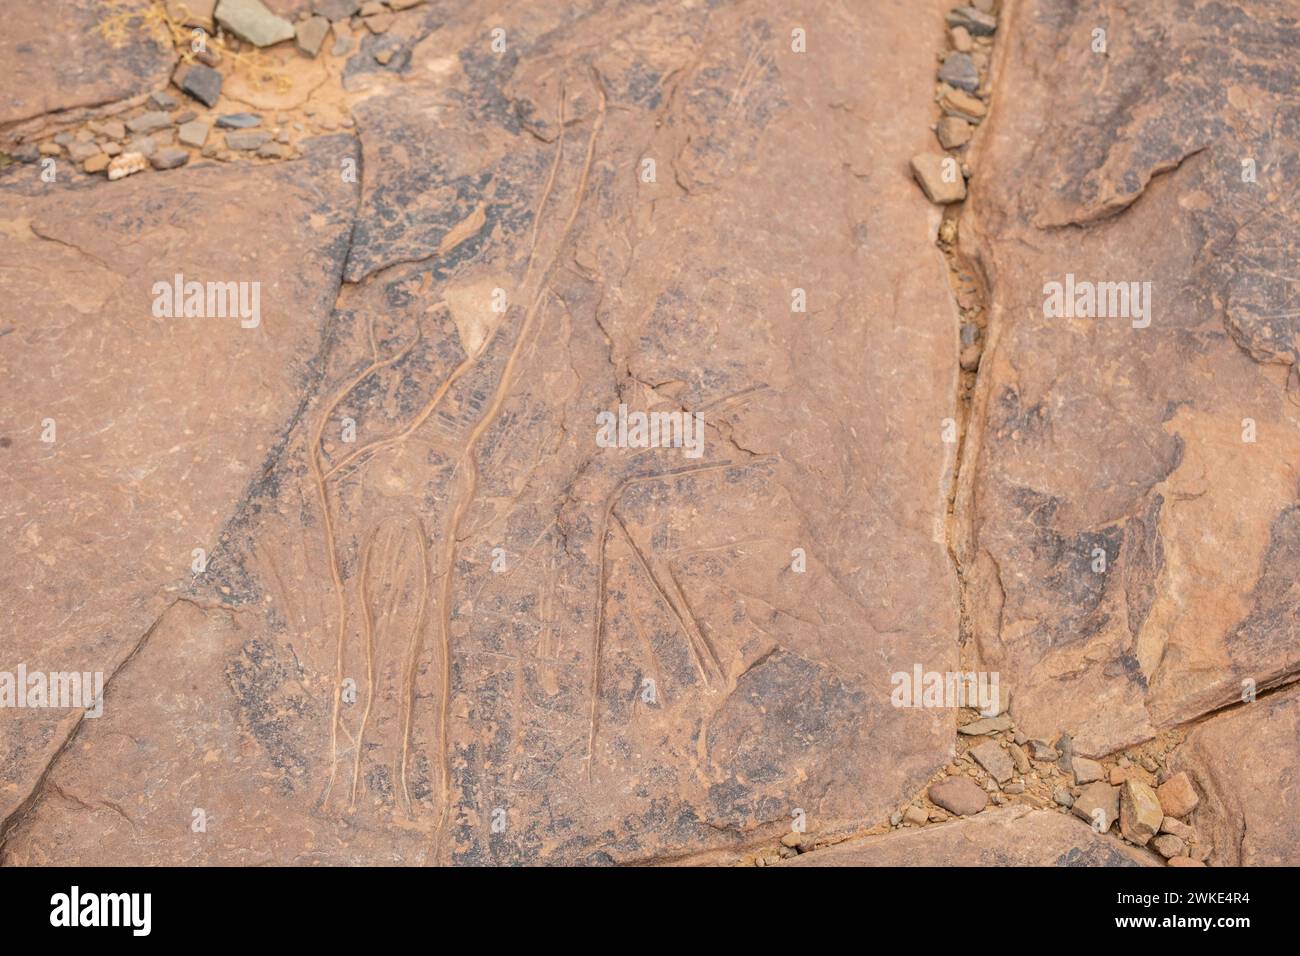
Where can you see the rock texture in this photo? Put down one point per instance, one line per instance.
(1011, 836)
(162, 427)
(69, 53)
(473, 635)
(1246, 763)
(1131, 532)
(368, 581)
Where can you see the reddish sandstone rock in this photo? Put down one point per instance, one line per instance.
(1139, 812)
(960, 795)
(1245, 770)
(1098, 478)
(161, 427)
(561, 652)
(1011, 836)
(72, 53)
(1177, 795)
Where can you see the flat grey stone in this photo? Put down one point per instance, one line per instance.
(250, 20)
(199, 81)
(238, 120)
(245, 139)
(985, 725)
(975, 22)
(169, 158)
(994, 759)
(148, 122)
(194, 133)
(335, 10)
(310, 34)
(959, 70)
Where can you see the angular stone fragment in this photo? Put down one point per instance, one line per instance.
(126, 164)
(1043, 751)
(1087, 771)
(335, 10)
(959, 795)
(96, 163)
(973, 21)
(238, 120)
(1098, 804)
(144, 145)
(1185, 861)
(916, 816)
(940, 177)
(80, 152)
(1168, 845)
(993, 759)
(1177, 795)
(1010, 836)
(960, 71)
(112, 128)
(247, 139)
(169, 158)
(250, 20)
(192, 13)
(148, 122)
(1139, 812)
(199, 81)
(194, 133)
(985, 725)
(310, 34)
(961, 104)
(953, 132)
(1179, 829)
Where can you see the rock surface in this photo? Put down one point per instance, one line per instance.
(1100, 479)
(71, 53)
(145, 455)
(365, 582)
(1246, 764)
(1011, 836)
(577, 653)
(959, 795)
